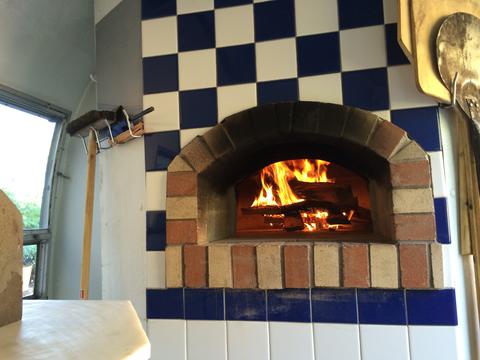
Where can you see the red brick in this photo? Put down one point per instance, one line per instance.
(195, 266)
(297, 266)
(419, 227)
(182, 183)
(412, 173)
(414, 266)
(386, 139)
(181, 232)
(356, 265)
(244, 265)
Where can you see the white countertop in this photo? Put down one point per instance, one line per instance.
(63, 329)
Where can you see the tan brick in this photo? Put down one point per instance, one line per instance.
(297, 266)
(197, 154)
(181, 232)
(412, 151)
(182, 183)
(195, 266)
(244, 266)
(417, 227)
(384, 266)
(414, 266)
(327, 266)
(356, 265)
(269, 265)
(220, 266)
(173, 267)
(436, 251)
(411, 173)
(386, 139)
(182, 207)
(178, 164)
(412, 200)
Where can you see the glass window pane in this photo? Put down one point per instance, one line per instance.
(29, 269)
(25, 146)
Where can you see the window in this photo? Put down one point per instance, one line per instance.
(31, 133)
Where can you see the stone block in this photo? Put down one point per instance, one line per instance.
(412, 200)
(220, 266)
(244, 266)
(411, 151)
(436, 251)
(195, 266)
(327, 265)
(11, 264)
(179, 164)
(182, 207)
(356, 266)
(182, 183)
(384, 266)
(173, 267)
(414, 266)
(297, 266)
(269, 265)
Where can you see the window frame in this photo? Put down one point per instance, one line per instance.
(41, 237)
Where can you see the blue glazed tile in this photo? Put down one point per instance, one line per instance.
(204, 304)
(277, 91)
(395, 55)
(160, 74)
(236, 65)
(378, 306)
(227, 3)
(198, 108)
(153, 8)
(289, 305)
(274, 20)
(431, 307)
(441, 220)
(160, 149)
(196, 31)
(156, 230)
(421, 124)
(246, 305)
(318, 54)
(165, 304)
(366, 89)
(334, 306)
(354, 13)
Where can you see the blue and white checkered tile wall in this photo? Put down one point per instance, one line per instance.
(206, 59)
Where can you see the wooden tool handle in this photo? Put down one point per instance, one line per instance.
(87, 227)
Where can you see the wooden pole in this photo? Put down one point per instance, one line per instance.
(87, 227)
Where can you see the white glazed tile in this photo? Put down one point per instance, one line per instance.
(190, 6)
(336, 341)
(403, 91)
(363, 48)
(235, 98)
(189, 134)
(384, 114)
(167, 338)
(390, 11)
(159, 36)
(276, 59)
(206, 340)
(234, 25)
(438, 174)
(291, 341)
(380, 342)
(155, 190)
(197, 69)
(155, 269)
(325, 88)
(166, 116)
(433, 342)
(316, 17)
(247, 340)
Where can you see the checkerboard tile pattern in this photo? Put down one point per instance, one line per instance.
(205, 60)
